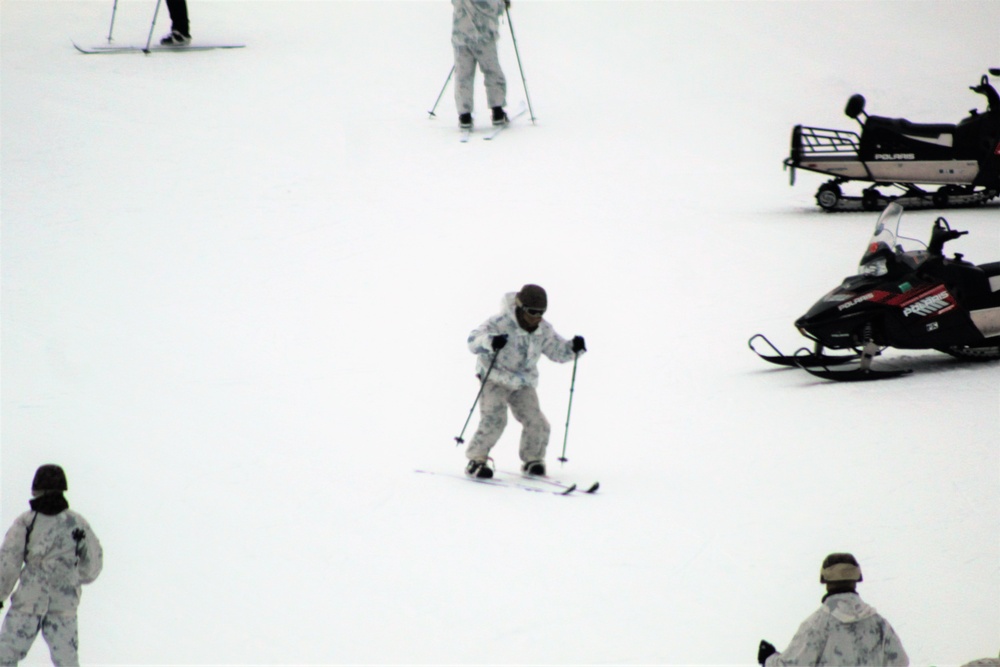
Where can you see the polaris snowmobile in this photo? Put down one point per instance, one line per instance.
(907, 299)
(963, 160)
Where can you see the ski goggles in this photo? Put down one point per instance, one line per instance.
(534, 312)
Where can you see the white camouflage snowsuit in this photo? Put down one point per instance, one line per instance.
(474, 32)
(512, 381)
(40, 551)
(844, 631)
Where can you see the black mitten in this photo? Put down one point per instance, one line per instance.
(765, 651)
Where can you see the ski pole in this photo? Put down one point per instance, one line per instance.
(458, 438)
(111, 30)
(152, 25)
(572, 385)
(441, 94)
(519, 67)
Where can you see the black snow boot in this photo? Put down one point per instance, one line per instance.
(176, 38)
(465, 121)
(478, 469)
(534, 468)
(500, 116)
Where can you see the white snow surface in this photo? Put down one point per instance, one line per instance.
(237, 287)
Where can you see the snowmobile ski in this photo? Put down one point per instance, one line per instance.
(508, 483)
(520, 111)
(548, 480)
(109, 49)
(859, 374)
(801, 358)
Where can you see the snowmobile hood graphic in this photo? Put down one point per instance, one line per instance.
(907, 299)
(962, 160)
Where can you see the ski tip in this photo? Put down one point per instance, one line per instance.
(570, 489)
(594, 487)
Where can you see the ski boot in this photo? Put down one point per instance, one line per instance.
(499, 116)
(465, 121)
(478, 469)
(534, 468)
(176, 38)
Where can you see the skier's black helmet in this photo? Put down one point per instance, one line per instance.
(49, 477)
(532, 296)
(839, 567)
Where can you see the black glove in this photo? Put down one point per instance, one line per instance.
(765, 651)
(578, 344)
(499, 341)
(78, 535)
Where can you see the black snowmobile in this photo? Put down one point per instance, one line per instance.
(916, 299)
(963, 160)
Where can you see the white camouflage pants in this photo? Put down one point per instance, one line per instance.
(466, 58)
(19, 632)
(493, 419)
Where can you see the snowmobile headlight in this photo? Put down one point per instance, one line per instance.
(875, 268)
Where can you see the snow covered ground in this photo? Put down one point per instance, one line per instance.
(237, 286)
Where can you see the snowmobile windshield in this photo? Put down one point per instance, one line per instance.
(881, 247)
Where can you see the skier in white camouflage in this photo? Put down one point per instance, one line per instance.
(844, 631)
(475, 28)
(49, 552)
(508, 346)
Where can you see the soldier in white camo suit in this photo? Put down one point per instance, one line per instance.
(844, 631)
(508, 346)
(51, 551)
(474, 32)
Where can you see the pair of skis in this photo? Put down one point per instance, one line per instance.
(516, 480)
(466, 132)
(111, 49)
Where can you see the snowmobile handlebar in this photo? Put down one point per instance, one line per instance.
(985, 88)
(941, 234)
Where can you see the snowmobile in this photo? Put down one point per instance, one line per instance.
(963, 159)
(907, 299)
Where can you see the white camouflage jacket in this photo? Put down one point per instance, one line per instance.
(53, 567)
(475, 21)
(844, 631)
(516, 366)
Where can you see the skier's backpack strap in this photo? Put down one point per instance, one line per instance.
(27, 535)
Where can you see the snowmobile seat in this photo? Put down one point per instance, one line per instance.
(970, 279)
(903, 126)
(992, 271)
